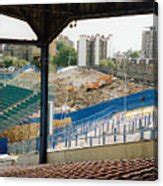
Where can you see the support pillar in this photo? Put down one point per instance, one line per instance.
(44, 104)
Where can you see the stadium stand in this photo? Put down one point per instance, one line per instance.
(15, 104)
(11, 95)
(1, 85)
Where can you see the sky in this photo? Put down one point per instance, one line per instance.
(126, 31)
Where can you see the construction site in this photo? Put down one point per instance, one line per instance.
(77, 122)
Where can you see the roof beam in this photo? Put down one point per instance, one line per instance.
(19, 42)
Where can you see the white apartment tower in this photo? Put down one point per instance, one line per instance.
(91, 50)
(83, 50)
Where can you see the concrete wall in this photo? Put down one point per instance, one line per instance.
(143, 149)
(140, 72)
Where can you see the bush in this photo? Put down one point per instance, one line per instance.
(12, 61)
(107, 64)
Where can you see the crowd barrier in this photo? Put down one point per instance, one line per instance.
(101, 115)
(98, 129)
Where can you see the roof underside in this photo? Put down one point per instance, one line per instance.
(48, 20)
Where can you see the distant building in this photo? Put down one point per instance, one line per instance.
(65, 40)
(19, 51)
(120, 58)
(119, 55)
(149, 43)
(27, 52)
(91, 50)
(83, 48)
(36, 52)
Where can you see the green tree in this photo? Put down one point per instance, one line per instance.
(133, 54)
(60, 45)
(66, 55)
(7, 62)
(13, 61)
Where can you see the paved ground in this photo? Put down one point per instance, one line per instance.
(137, 169)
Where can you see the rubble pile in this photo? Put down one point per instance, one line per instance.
(81, 87)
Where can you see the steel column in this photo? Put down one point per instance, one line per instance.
(44, 104)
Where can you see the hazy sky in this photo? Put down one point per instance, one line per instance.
(126, 31)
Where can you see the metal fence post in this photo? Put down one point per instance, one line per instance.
(76, 140)
(124, 134)
(103, 127)
(108, 126)
(90, 141)
(95, 132)
(148, 119)
(37, 144)
(115, 134)
(133, 127)
(103, 138)
(99, 140)
(66, 142)
(86, 136)
(142, 133)
(112, 125)
(152, 134)
(53, 142)
(140, 124)
(145, 118)
(69, 144)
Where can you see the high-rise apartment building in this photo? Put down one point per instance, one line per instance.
(149, 43)
(83, 48)
(91, 50)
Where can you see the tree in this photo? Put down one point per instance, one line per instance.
(7, 62)
(133, 54)
(13, 61)
(66, 55)
(105, 63)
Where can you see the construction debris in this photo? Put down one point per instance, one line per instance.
(81, 87)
